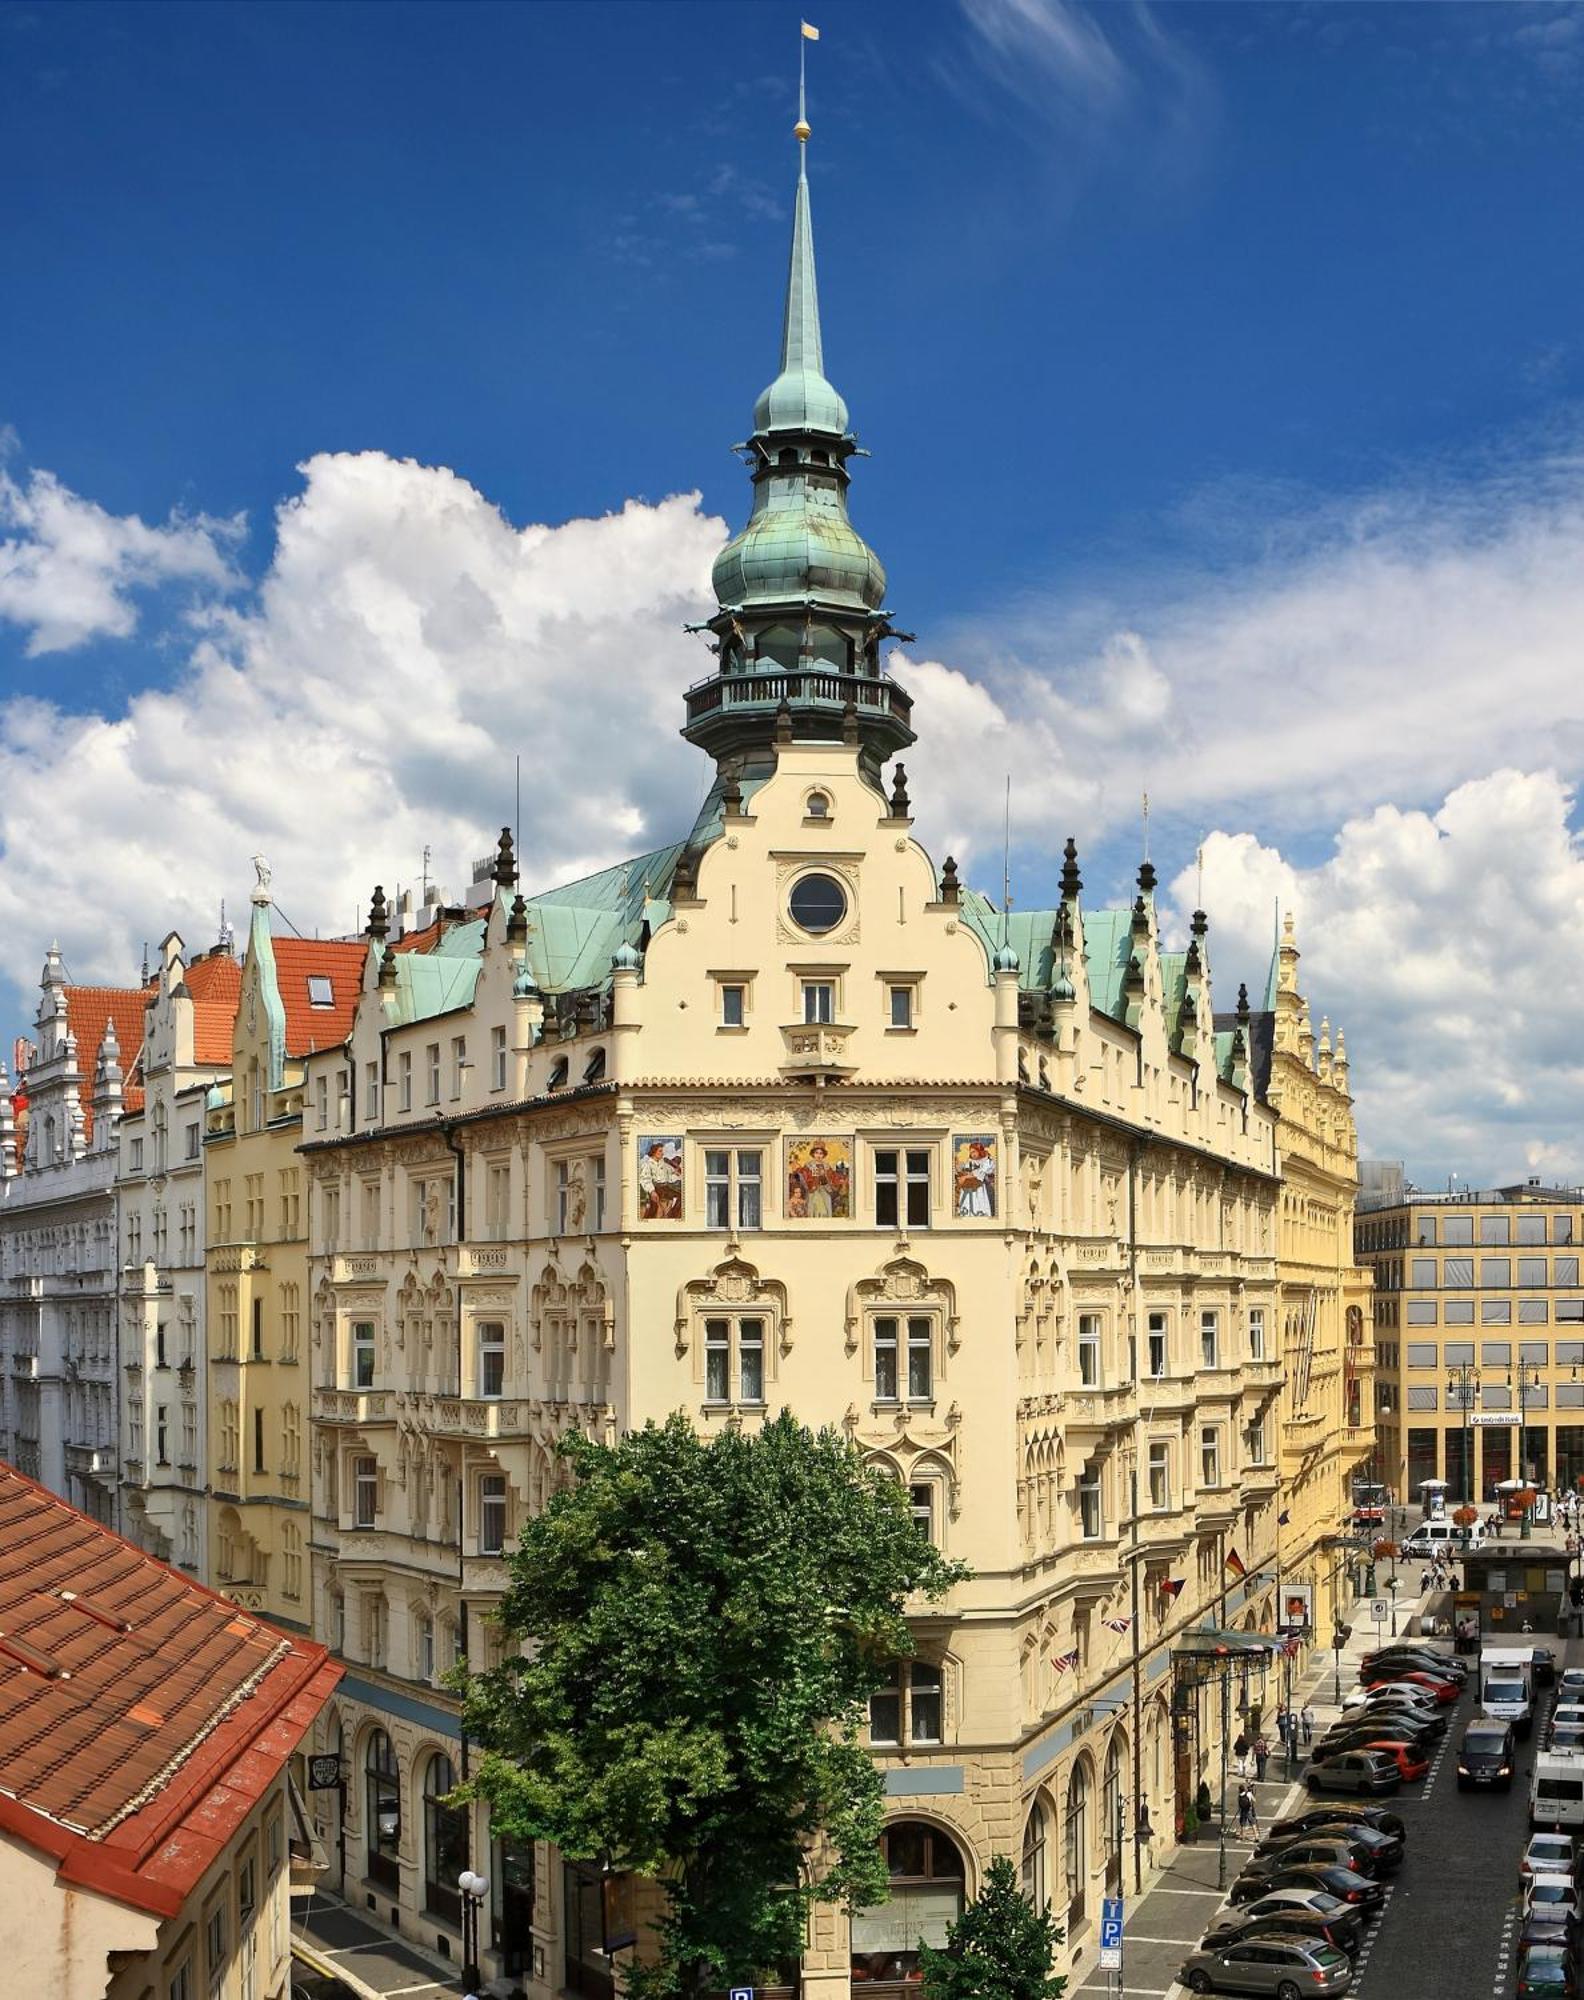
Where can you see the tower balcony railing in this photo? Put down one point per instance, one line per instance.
(800, 687)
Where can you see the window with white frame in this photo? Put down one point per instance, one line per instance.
(1089, 1350)
(733, 1006)
(899, 1005)
(1210, 1339)
(734, 1358)
(497, 1199)
(563, 1195)
(432, 1073)
(597, 1194)
(1209, 1455)
(1091, 1514)
(1256, 1441)
(1160, 1475)
(492, 1514)
(365, 1491)
(434, 1210)
(459, 1063)
(497, 1058)
(904, 1358)
(404, 1080)
(362, 1354)
(1157, 1343)
(908, 1709)
(371, 1093)
(921, 1505)
(819, 1002)
(322, 1102)
(902, 1186)
(215, 1929)
(425, 1647)
(1256, 1333)
(733, 1187)
(491, 1358)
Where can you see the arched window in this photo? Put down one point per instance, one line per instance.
(594, 1068)
(445, 1841)
(1111, 1829)
(382, 1792)
(1075, 1844)
(926, 1870)
(1036, 1883)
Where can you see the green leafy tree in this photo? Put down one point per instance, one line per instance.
(706, 1620)
(1000, 1948)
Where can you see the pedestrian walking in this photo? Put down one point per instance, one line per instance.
(1308, 1723)
(1261, 1756)
(1248, 1818)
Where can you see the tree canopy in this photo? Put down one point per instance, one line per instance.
(1000, 1948)
(706, 1620)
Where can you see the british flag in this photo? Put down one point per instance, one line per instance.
(1063, 1661)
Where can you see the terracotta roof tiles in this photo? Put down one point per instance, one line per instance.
(142, 1717)
(87, 1010)
(341, 961)
(215, 983)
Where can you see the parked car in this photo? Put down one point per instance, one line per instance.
(1340, 1813)
(1313, 1851)
(1285, 1967)
(1547, 1972)
(1418, 1656)
(1545, 1667)
(1445, 1690)
(1547, 1854)
(1487, 1754)
(1565, 1736)
(1570, 1684)
(1383, 1737)
(1367, 1772)
(1346, 1884)
(1380, 1851)
(1345, 1931)
(1412, 1759)
(1556, 1894)
(1394, 1691)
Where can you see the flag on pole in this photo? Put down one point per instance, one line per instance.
(1116, 1624)
(810, 34)
(1063, 1661)
(1236, 1564)
(1171, 1586)
(1282, 1520)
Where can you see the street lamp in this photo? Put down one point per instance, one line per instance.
(1528, 1378)
(474, 1889)
(1463, 1388)
(1339, 1639)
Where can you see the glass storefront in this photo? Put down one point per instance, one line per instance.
(382, 1815)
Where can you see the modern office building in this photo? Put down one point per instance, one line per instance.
(1479, 1338)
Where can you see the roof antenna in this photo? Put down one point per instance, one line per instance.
(517, 818)
(1199, 891)
(144, 980)
(425, 896)
(1146, 826)
(1006, 860)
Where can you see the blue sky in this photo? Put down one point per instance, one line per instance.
(1221, 367)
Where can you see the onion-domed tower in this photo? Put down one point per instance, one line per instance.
(800, 623)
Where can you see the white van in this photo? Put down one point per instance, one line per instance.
(1441, 1538)
(1556, 1795)
(1507, 1685)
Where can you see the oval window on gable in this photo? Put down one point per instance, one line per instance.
(817, 903)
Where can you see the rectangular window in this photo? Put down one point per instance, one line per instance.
(885, 1708)
(459, 1063)
(215, 1944)
(1495, 1312)
(1426, 1228)
(1458, 1271)
(492, 1514)
(192, 1142)
(404, 1080)
(1421, 1312)
(247, 1892)
(1460, 1353)
(1421, 1354)
(1256, 1333)
(1496, 1273)
(492, 1358)
(432, 1070)
(1458, 1312)
(901, 998)
(819, 1002)
(1458, 1229)
(717, 1360)
(1157, 1343)
(1160, 1476)
(902, 1187)
(180, 1987)
(497, 1058)
(1570, 1354)
(733, 1187)
(1531, 1272)
(1210, 1339)
(322, 1102)
(1569, 1309)
(1256, 1442)
(921, 1505)
(426, 1647)
(363, 1354)
(1495, 1229)
(598, 1195)
(1089, 1350)
(885, 1361)
(750, 1361)
(161, 1434)
(1210, 1457)
(924, 1702)
(900, 1344)
(1561, 1229)
(563, 1194)
(1091, 1523)
(1533, 1312)
(1538, 1351)
(1496, 1353)
(258, 1440)
(734, 1349)
(1531, 1229)
(365, 1491)
(137, 1156)
(1422, 1273)
(1564, 1271)
(733, 1006)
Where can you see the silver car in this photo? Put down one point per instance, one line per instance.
(1289, 1968)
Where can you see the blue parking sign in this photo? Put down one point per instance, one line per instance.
(1111, 1923)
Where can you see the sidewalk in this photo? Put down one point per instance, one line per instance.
(368, 1957)
(1179, 1900)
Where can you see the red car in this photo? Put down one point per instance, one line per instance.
(1445, 1692)
(1410, 1764)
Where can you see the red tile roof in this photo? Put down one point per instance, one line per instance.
(142, 1717)
(215, 983)
(341, 961)
(87, 1010)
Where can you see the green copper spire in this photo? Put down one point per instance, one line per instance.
(800, 591)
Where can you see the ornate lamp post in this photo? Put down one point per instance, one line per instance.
(1528, 1378)
(1463, 1389)
(474, 1889)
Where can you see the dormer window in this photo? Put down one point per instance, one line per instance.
(817, 806)
(558, 1073)
(319, 991)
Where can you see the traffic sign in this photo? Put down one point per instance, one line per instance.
(1111, 1934)
(742, 1993)
(1378, 1610)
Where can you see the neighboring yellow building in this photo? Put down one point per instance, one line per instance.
(1479, 1329)
(297, 994)
(783, 1115)
(1327, 1401)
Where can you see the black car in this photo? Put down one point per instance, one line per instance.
(1413, 1657)
(1390, 1709)
(1340, 1814)
(1314, 1851)
(1346, 1884)
(1344, 1933)
(1544, 1667)
(1363, 1772)
(1378, 1851)
(1487, 1755)
(1370, 1735)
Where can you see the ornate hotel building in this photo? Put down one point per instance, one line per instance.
(784, 1114)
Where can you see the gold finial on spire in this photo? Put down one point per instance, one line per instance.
(800, 131)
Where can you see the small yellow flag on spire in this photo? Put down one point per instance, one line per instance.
(810, 34)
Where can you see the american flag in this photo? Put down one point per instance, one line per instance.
(1062, 1661)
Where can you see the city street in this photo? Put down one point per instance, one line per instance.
(1451, 1912)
